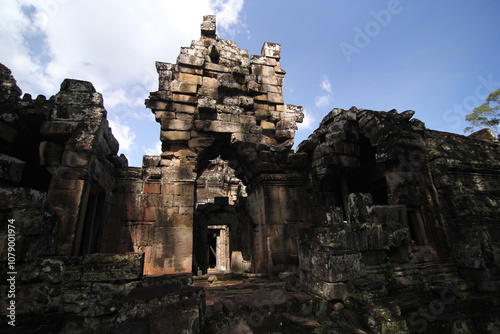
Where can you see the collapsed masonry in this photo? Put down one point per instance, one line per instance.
(373, 211)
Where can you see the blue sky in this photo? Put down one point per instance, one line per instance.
(439, 58)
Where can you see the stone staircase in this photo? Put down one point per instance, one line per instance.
(261, 307)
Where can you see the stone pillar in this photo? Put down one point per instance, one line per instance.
(277, 211)
(174, 231)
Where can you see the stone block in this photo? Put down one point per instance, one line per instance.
(284, 134)
(204, 124)
(152, 188)
(286, 125)
(229, 109)
(227, 82)
(189, 70)
(260, 60)
(72, 85)
(263, 71)
(151, 213)
(164, 85)
(262, 114)
(150, 160)
(208, 92)
(183, 98)
(75, 158)
(190, 79)
(217, 68)
(237, 263)
(184, 108)
(270, 80)
(164, 66)
(278, 70)
(161, 105)
(262, 98)
(190, 60)
(245, 101)
(210, 82)
(208, 26)
(245, 119)
(181, 220)
(111, 267)
(254, 87)
(176, 124)
(330, 291)
(231, 100)
(206, 103)
(175, 135)
(275, 98)
(57, 129)
(218, 126)
(224, 117)
(330, 267)
(271, 50)
(11, 169)
(272, 89)
(201, 142)
(80, 104)
(260, 105)
(182, 87)
(266, 125)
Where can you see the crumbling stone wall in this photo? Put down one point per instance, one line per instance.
(58, 167)
(58, 155)
(398, 214)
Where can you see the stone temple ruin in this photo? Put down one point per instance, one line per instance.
(374, 224)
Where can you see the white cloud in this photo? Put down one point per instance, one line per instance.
(322, 101)
(325, 84)
(110, 43)
(155, 150)
(228, 15)
(123, 134)
(308, 122)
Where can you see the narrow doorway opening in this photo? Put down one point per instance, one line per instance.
(218, 248)
(212, 246)
(370, 176)
(417, 227)
(93, 223)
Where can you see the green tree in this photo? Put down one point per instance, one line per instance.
(487, 115)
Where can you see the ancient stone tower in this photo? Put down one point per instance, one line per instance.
(217, 101)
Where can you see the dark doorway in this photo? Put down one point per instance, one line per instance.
(212, 246)
(370, 176)
(93, 224)
(417, 227)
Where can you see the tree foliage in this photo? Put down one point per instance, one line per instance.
(487, 115)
